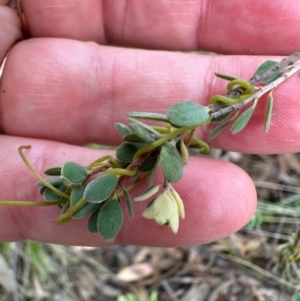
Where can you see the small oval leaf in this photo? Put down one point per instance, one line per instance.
(225, 76)
(220, 118)
(126, 151)
(100, 188)
(76, 194)
(53, 171)
(142, 132)
(51, 196)
(217, 130)
(74, 173)
(122, 128)
(86, 209)
(264, 67)
(152, 174)
(149, 116)
(133, 138)
(170, 162)
(242, 120)
(110, 219)
(128, 202)
(65, 207)
(188, 113)
(149, 163)
(269, 112)
(92, 222)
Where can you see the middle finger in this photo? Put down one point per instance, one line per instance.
(74, 91)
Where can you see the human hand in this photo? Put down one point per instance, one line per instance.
(59, 92)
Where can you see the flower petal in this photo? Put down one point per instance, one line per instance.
(178, 201)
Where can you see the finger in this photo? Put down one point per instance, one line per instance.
(79, 20)
(74, 92)
(221, 26)
(10, 28)
(210, 213)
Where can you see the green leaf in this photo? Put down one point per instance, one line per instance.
(128, 202)
(122, 128)
(133, 138)
(110, 219)
(188, 113)
(220, 118)
(86, 209)
(141, 132)
(269, 112)
(242, 120)
(152, 174)
(264, 67)
(76, 194)
(53, 171)
(149, 116)
(146, 127)
(100, 188)
(51, 196)
(74, 173)
(92, 222)
(225, 76)
(217, 130)
(149, 163)
(126, 151)
(65, 206)
(170, 162)
(55, 181)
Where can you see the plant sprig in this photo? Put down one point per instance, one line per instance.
(96, 190)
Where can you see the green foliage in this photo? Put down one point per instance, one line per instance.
(171, 163)
(225, 76)
(74, 173)
(128, 202)
(76, 194)
(100, 189)
(265, 66)
(122, 128)
(242, 120)
(93, 222)
(126, 151)
(50, 195)
(86, 209)
(53, 171)
(188, 113)
(217, 130)
(149, 163)
(269, 112)
(110, 219)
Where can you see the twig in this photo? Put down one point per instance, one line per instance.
(256, 78)
(238, 106)
(280, 66)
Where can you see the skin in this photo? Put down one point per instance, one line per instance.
(59, 92)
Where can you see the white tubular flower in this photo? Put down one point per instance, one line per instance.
(166, 209)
